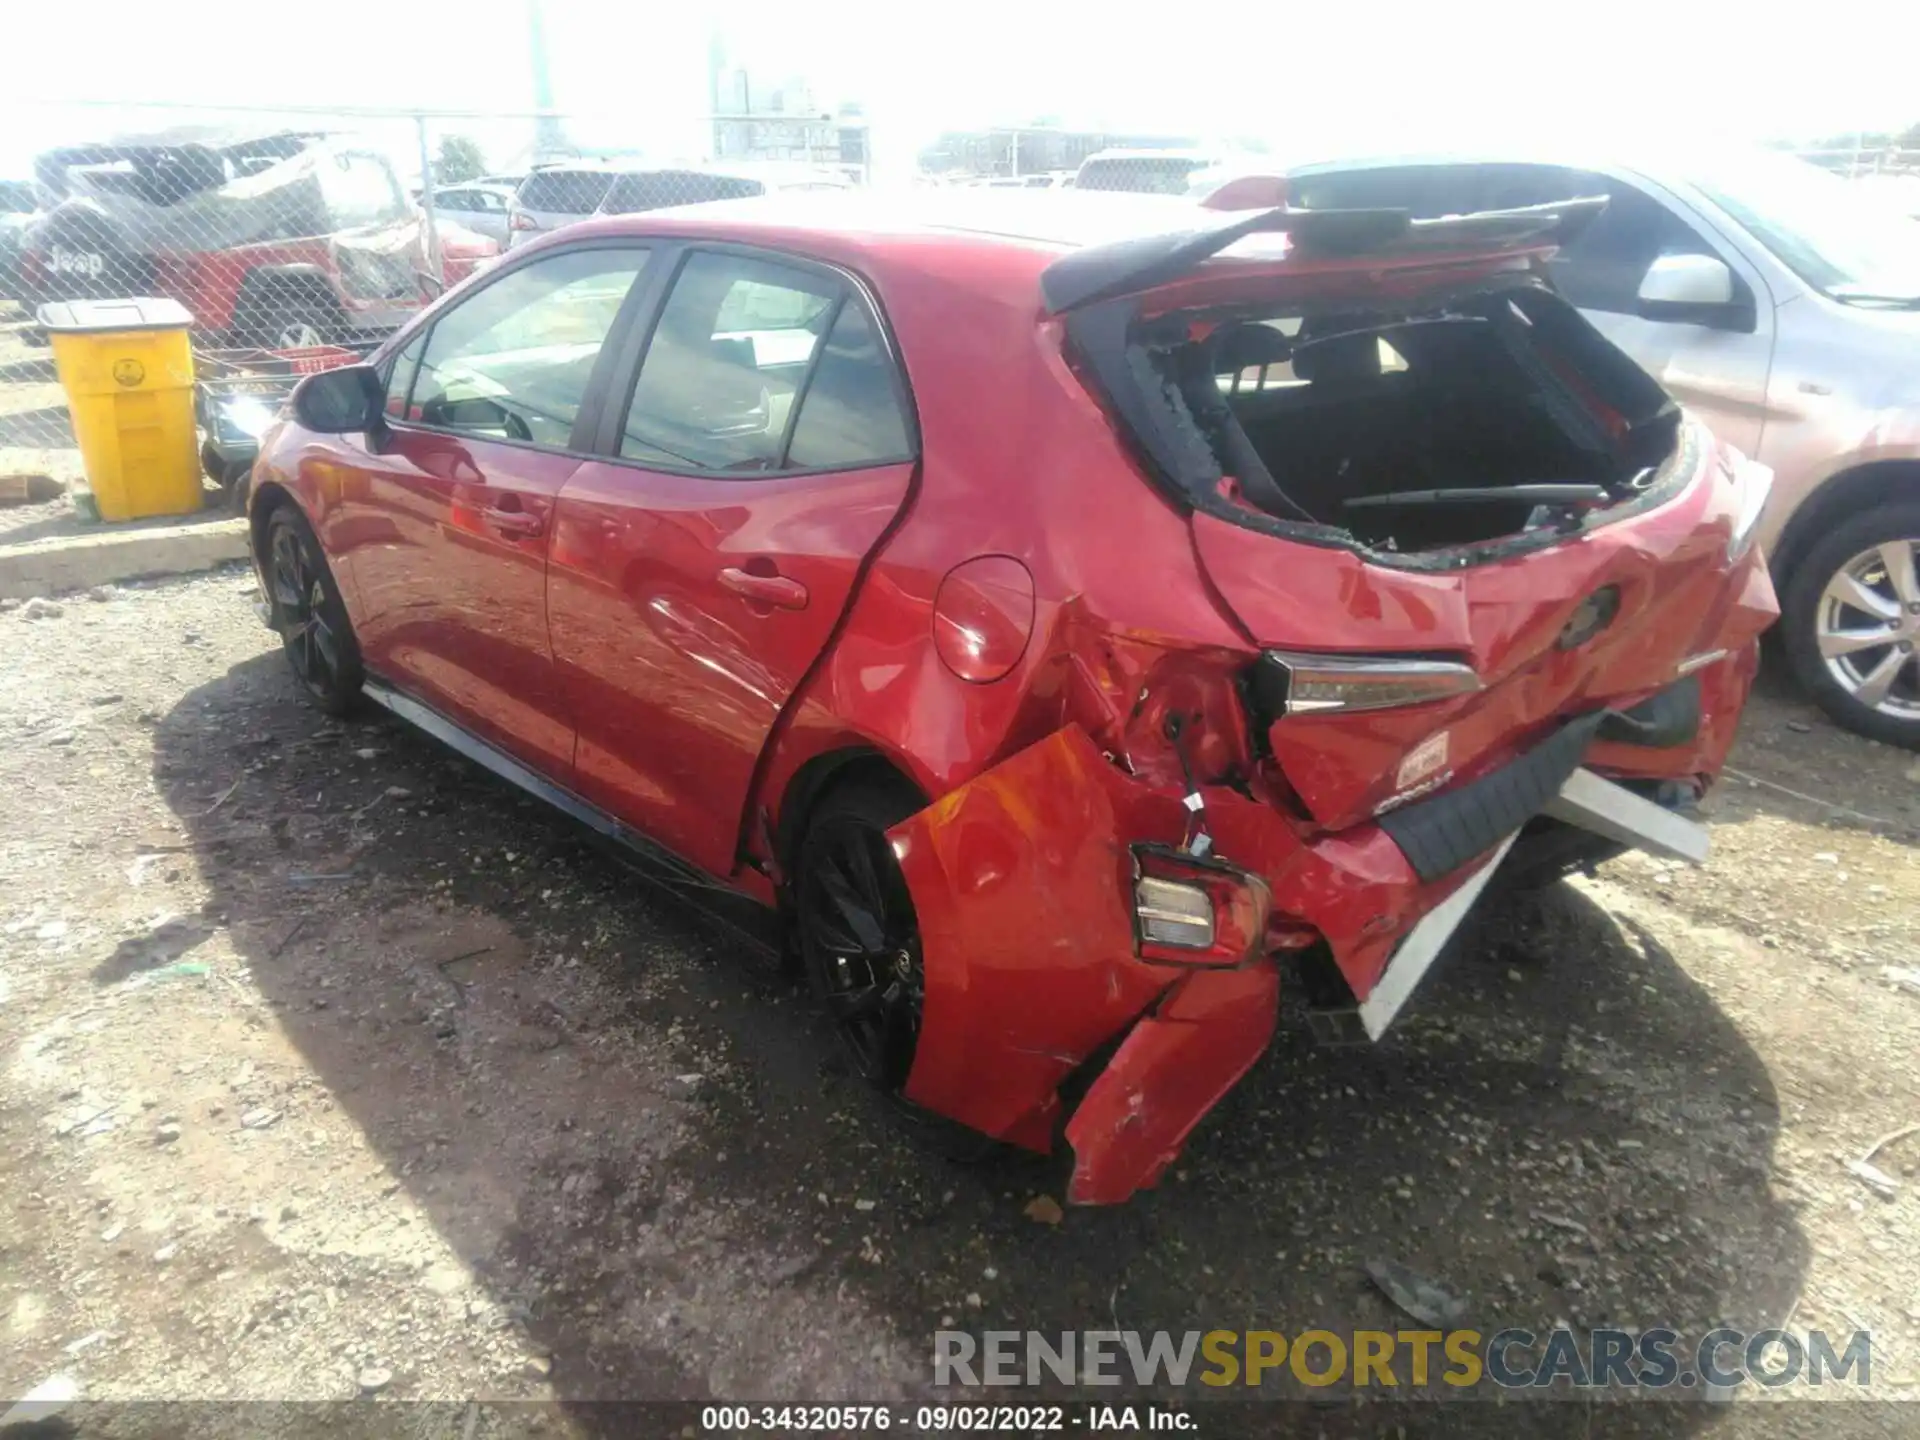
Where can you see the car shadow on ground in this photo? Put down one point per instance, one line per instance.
(642, 1142)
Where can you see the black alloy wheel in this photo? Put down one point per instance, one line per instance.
(858, 936)
(308, 613)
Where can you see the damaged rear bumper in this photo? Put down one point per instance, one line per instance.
(1023, 882)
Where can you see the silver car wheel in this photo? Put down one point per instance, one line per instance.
(1868, 625)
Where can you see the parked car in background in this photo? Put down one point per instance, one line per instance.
(556, 195)
(1144, 172)
(656, 188)
(17, 206)
(563, 194)
(1781, 304)
(688, 523)
(480, 208)
(279, 238)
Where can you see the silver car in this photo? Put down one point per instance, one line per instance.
(480, 207)
(1782, 306)
(556, 195)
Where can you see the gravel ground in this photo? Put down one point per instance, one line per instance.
(330, 1066)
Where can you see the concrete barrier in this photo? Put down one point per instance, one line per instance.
(79, 562)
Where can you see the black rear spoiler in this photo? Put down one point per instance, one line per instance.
(1121, 267)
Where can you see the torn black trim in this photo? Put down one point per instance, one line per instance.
(1441, 834)
(1660, 721)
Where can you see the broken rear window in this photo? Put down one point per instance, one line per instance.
(1423, 428)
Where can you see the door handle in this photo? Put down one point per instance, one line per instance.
(518, 524)
(780, 590)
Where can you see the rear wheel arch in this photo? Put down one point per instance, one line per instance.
(822, 775)
(1839, 498)
(266, 499)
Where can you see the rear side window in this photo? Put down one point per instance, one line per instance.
(569, 192)
(1428, 191)
(1141, 174)
(761, 367)
(851, 415)
(657, 189)
(513, 361)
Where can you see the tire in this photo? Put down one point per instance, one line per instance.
(286, 321)
(855, 927)
(863, 810)
(1820, 601)
(314, 629)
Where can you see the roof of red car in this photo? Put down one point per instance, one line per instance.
(1001, 242)
(1048, 220)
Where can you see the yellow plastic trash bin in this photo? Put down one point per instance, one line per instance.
(127, 368)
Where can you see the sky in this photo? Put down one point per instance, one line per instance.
(1307, 80)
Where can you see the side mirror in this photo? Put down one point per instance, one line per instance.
(346, 401)
(1688, 280)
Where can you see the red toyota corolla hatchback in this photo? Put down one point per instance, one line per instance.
(1071, 613)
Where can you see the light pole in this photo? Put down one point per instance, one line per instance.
(548, 140)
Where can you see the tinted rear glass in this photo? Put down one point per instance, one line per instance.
(657, 189)
(570, 192)
(1144, 174)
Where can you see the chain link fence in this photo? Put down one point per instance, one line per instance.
(309, 230)
(323, 230)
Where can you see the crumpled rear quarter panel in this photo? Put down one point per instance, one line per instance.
(1020, 881)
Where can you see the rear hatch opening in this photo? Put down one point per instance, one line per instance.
(1410, 429)
(1408, 389)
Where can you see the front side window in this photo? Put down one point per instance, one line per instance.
(760, 367)
(514, 361)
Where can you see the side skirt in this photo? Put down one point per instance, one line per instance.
(645, 857)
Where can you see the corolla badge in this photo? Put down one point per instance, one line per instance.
(1590, 617)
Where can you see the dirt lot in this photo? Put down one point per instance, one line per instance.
(330, 1066)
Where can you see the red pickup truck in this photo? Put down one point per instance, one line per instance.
(281, 239)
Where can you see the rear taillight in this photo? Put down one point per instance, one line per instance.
(1289, 683)
(1193, 911)
(520, 220)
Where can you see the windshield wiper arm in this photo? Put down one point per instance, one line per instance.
(1477, 494)
(1867, 297)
